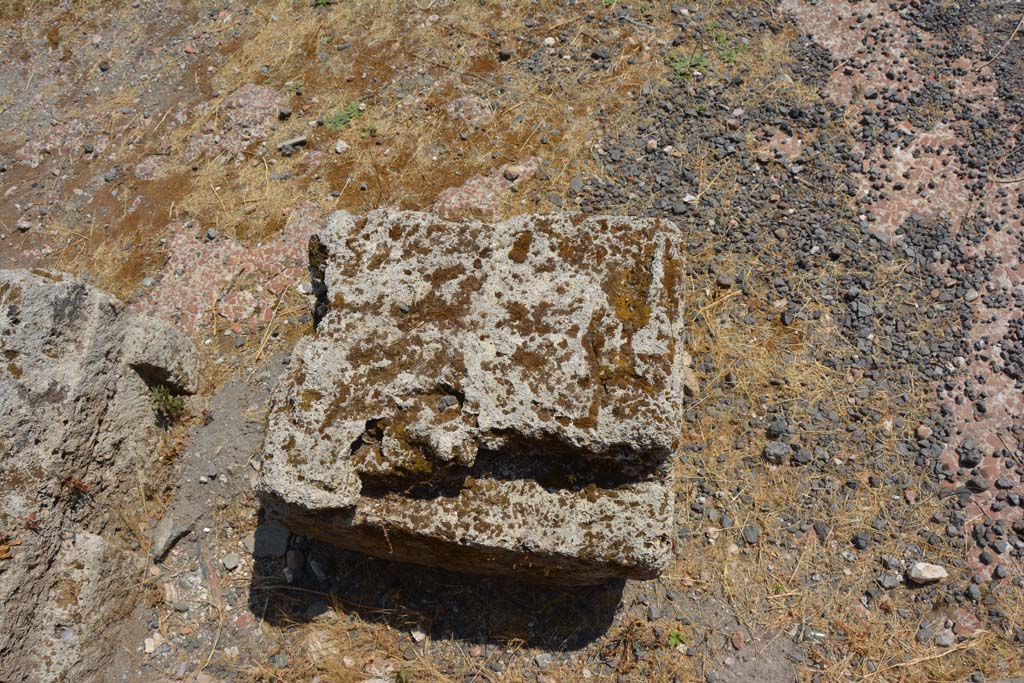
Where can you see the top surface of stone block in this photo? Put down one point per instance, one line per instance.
(557, 336)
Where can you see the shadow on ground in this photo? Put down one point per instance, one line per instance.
(442, 604)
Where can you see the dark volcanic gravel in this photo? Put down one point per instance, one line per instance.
(901, 168)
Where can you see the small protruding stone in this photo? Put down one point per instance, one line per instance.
(297, 141)
(271, 540)
(888, 581)
(776, 452)
(925, 572)
(295, 560)
(231, 561)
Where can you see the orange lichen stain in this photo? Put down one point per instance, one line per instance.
(294, 457)
(521, 247)
(627, 293)
(309, 396)
(10, 293)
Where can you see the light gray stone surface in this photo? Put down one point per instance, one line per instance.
(76, 425)
(925, 572)
(492, 397)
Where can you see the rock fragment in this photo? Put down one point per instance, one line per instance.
(231, 561)
(77, 421)
(271, 540)
(776, 452)
(924, 572)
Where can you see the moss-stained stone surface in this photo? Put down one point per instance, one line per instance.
(492, 397)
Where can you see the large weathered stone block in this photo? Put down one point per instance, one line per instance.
(77, 428)
(490, 397)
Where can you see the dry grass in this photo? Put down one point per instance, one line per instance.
(403, 152)
(778, 588)
(336, 649)
(16, 9)
(792, 580)
(406, 150)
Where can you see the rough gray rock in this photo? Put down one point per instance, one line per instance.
(76, 423)
(925, 572)
(173, 526)
(495, 398)
(271, 540)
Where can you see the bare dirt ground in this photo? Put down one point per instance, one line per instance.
(848, 174)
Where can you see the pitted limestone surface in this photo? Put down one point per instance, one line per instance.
(77, 424)
(508, 390)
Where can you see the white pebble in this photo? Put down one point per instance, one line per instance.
(925, 572)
